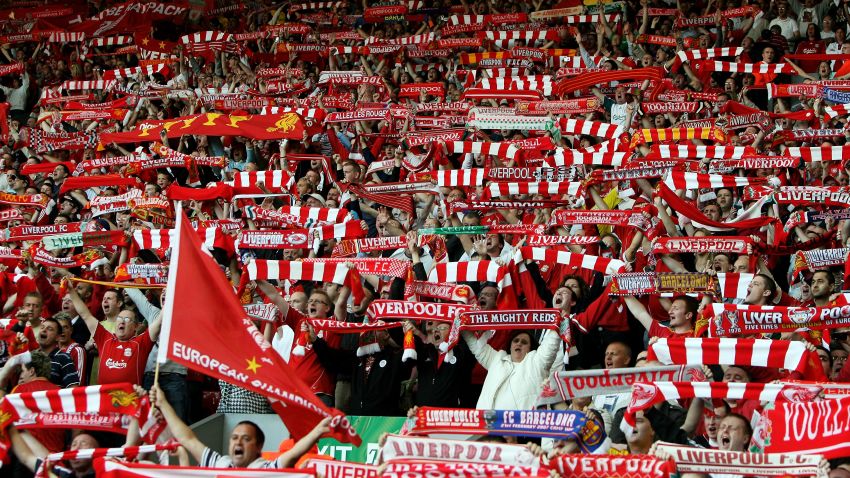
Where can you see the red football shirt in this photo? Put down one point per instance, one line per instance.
(122, 361)
(308, 366)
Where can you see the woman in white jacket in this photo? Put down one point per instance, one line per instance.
(514, 379)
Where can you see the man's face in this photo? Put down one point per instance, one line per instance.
(642, 433)
(838, 358)
(767, 55)
(563, 298)
(732, 434)
(48, 336)
(742, 264)
(243, 448)
(620, 95)
(712, 212)
(84, 290)
(724, 198)
(757, 292)
(33, 306)
(438, 331)
(65, 336)
(298, 301)
(679, 314)
(163, 181)
(59, 173)
(82, 442)
(721, 263)
(125, 325)
(821, 288)
(710, 421)
(319, 306)
(616, 356)
(68, 305)
(487, 298)
(110, 303)
(735, 375)
(67, 208)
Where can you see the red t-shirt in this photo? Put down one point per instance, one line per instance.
(53, 440)
(122, 361)
(307, 366)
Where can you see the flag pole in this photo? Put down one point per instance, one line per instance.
(156, 375)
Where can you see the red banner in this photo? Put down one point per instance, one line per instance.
(808, 427)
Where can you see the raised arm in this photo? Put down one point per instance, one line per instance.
(639, 311)
(180, 430)
(82, 309)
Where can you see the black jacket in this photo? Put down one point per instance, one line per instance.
(442, 387)
(376, 394)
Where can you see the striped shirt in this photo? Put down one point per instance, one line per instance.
(62, 370)
(213, 459)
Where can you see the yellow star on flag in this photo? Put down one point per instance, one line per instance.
(253, 365)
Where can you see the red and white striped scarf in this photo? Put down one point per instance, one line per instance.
(501, 150)
(77, 85)
(460, 177)
(686, 180)
(554, 188)
(161, 238)
(589, 19)
(782, 354)
(90, 404)
(407, 40)
(762, 68)
(593, 128)
(112, 41)
(665, 151)
(315, 6)
(582, 261)
(734, 285)
(127, 452)
(275, 181)
(645, 395)
(66, 37)
(834, 111)
(566, 157)
(125, 73)
(317, 214)
(691, 55)
(470, 271)
(369, 265)
(813, 154)
(336, 273)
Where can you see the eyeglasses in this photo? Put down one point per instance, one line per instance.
(11, 177)
(314, 301)
(124, 319)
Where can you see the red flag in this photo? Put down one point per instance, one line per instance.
(230, 347)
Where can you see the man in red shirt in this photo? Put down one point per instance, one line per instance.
(683, 314)
(123, 354)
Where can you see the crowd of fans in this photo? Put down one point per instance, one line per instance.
(773, 95)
